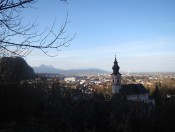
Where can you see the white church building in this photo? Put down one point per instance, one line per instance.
(134, 92)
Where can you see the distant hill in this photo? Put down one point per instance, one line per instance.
(47, 69)
(50, 69)
(86, 71)
(15, 69)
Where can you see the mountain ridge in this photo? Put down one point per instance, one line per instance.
(51, 69)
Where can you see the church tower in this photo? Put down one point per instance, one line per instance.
(116, 78)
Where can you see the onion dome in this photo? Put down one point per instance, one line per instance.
(115, 67)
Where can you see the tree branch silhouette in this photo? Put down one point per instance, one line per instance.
(18, 39)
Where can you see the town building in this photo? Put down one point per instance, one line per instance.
(134, 92)
(70, 79)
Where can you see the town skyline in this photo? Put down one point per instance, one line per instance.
(140, 33)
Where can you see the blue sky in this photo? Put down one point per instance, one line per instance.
(140, 32)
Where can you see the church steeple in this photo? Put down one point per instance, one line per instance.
(115, 67)
(116, 78)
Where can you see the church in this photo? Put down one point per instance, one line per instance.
(134, 92)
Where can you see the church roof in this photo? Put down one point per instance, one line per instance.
(132, 89)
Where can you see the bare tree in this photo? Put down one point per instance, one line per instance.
(19, 39)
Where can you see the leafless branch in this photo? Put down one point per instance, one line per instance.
(19, 39)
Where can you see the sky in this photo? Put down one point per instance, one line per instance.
(141, 33)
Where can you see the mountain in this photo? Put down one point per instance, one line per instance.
(15, 69)
(87, 71)
(47, 69)
(50, 69)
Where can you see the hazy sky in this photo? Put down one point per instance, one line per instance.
(140, 32)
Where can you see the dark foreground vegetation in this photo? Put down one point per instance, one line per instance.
(42, 107)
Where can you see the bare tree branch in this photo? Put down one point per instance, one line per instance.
(12, 28)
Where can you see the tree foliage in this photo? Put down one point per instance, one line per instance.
(47, 106)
